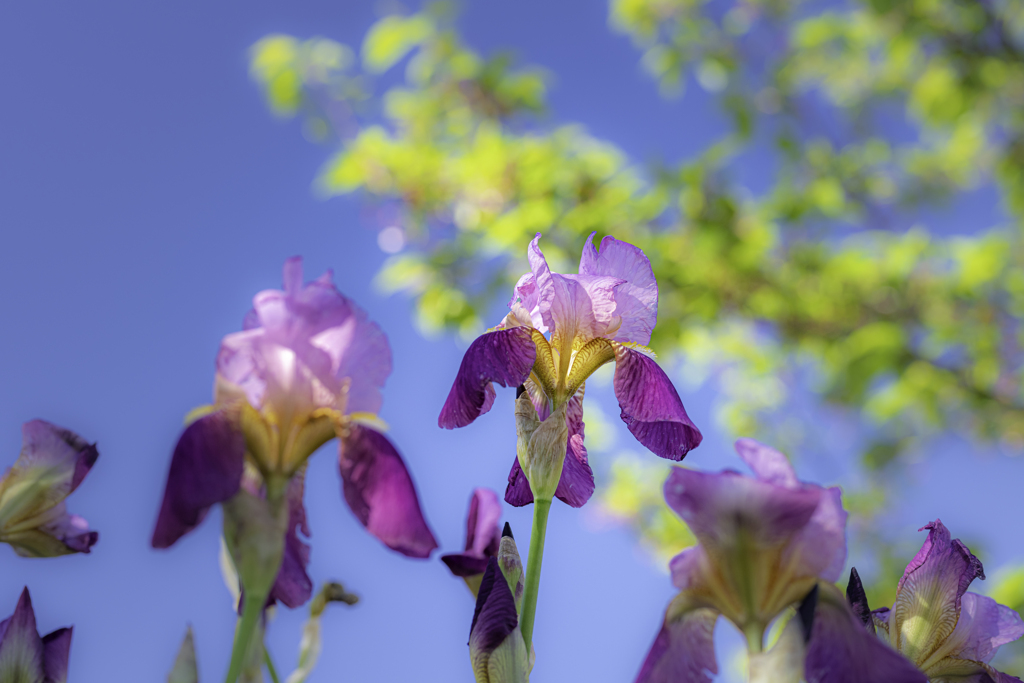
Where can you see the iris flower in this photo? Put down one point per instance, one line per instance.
(33, 517)
(764, 543)
(949, 633)
(483, 536)
(307, 367)
(24, 656)
(561, 328)
(497, 649)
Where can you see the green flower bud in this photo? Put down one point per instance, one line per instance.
(511, 566)
(540, 447)
(254, 531)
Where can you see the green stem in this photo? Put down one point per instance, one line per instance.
(251, 613)
(270, 666)
(541, 508)
(755, 638)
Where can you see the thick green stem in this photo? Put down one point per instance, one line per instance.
(755, 638)
(252, 610)
(541, 508)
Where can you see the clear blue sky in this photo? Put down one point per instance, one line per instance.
(145, 196)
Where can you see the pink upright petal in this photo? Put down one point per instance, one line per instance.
(502, 356)
(636, 298)
(380, 492)
(650, 406)
(683, 651)
(206, 468)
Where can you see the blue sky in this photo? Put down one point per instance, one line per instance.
(146, 195)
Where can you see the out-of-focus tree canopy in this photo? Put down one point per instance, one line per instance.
(874, 111)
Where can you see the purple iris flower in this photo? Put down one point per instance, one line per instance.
(33, 517)
(561, 328)
(483, 536)
(24, 656)
(307, 367)
(764, 543)
(949, 633)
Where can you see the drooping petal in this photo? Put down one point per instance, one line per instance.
(684, 649)
(717, 506)
(21, 648)
(380, 492)
(502, 356)
(841, 650)
(483, 535)
(650, 406)
(293, 587)
(206, 469)
(928, 597)
(56, 653)
(984, 625)
(636, 299)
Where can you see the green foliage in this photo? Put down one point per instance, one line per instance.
(874, 110)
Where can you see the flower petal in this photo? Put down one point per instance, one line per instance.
(820, 547)
(841, 650)
(858, 600)
(206, 468)
(380, 492)
(495, 621)
(928, 597)
(984, 625)
(482, 531)
(650, 406)
(21, 648)
(717, 506)
(636, 299)
(767, 463)
(293, 587)
(502, 356)
(684, 649)
(57, 533)
(56, 652)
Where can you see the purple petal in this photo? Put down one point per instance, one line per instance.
(293, 587)
(62, 534)
(858, 600)
(650, 406)
(820, 547)
(465, 564)
(56, 653)
(689, 568)
(984, 625)
(494, 616)
(928, 597)
(380, 492)
(21, 649)
(767, 463)
(636, 299)
(206, 468)
(716, 506)
(482, 531)
(841, 650)
(683, 651)
(502, 356)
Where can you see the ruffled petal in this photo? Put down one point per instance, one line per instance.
(928, 597)
(502, 356)
(206, 469)
(820, 547)
(716, 506)
(293, 587)
(841, 650)
(21, 648)
(636, 298)
(684, 649)
(984, 625)
(650, 406)
(381, 494)
(56, 653)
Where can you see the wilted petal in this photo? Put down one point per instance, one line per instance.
(52, 534)
(206, 468)
(928, 598)
(502, 356)
(636, 298)
(380, 492)
(841, 650)
(717, 506)
(650, 406)
(293, 587)
(684, 650)
(56, 653)
(21, 648)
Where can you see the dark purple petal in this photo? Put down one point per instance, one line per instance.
(684, 650)
(56, 652)
(293, 587)
(930, 592)
(465, 564)
(858, 600)
(21, 648)
(494, 616)
(502, 356)
(380, 492)
(841, 650)
(206, 469)
(650, 406)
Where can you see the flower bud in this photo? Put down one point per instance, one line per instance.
(254, 530)
(540, 447)
(496, 646)
(511, 566)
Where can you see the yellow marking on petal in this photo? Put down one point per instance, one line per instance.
(544, 366)
(198, 412)
(369, 420)
(587, 359)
